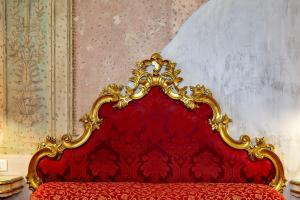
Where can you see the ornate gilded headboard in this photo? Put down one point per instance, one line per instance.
(153, 130)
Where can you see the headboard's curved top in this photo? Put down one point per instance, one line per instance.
(156, 131)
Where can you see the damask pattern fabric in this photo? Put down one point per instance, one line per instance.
(156, 139)
(129, 190)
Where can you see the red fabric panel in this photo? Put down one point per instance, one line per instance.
(129, 190)
(156, 139)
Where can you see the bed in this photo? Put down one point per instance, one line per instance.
(155, 139)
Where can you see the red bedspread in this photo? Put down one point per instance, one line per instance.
(130, 190)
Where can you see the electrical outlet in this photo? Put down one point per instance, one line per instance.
(3, 165)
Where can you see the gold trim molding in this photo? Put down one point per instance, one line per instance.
(163, 73)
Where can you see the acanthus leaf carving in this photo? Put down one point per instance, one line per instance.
(255, 151)
(91, 122)
(199, 91)
(222, 121)
(112, 89)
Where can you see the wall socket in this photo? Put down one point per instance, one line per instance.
(3, 165)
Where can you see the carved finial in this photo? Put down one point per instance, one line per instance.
(199, 91)
(261, 142)
(91, 122)
(156, 56)
(51, 139)
(112, 89)
(217, 123)
(255, 150)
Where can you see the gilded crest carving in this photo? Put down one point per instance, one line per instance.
(163, 73)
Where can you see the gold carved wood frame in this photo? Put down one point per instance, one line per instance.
(163, 73)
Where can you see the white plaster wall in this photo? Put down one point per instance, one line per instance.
(248, 53)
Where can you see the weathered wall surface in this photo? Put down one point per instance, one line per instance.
(248, 54)
(112, 35)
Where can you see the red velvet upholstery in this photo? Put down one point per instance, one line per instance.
(156, 139)
(129, 190)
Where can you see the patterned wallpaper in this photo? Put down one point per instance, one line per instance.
(35, 73)
(112, 35)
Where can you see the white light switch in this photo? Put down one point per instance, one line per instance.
(3, 165)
